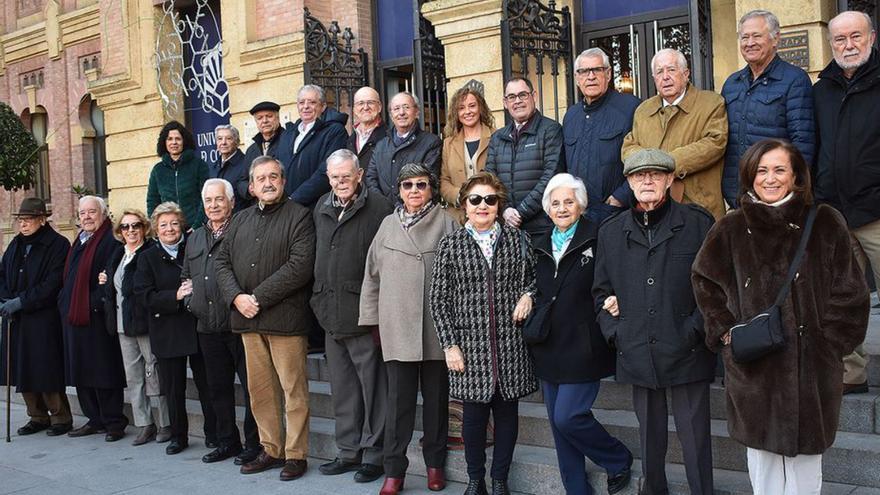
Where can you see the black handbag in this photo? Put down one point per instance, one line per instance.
(763, 334)
(536, 327)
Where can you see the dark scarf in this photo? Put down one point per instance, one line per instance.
(78, 314)
(22, 250)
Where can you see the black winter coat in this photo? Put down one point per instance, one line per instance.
(235, 170)
(659, 333)
(387, 160)
(847, 171)
(172, 327)
(92, 356)
(206, 302)
(575, 350)
(306, 170)
(339, 269)
(526, 166)
(366, 152)
(36, 340)
(134, 313)
(255, 150)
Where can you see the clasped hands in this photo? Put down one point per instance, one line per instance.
(247, 305)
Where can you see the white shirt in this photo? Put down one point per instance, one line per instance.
(363, 135)
(303, 129)
(676, 101)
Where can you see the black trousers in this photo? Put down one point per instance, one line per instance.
(103, 407)
(223, 354)
(475, 423)
(403, 387)
(172, 382)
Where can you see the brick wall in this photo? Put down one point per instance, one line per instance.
(277, 17)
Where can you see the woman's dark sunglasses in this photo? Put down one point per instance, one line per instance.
(129, 226)
(476, 199)
(408, 184)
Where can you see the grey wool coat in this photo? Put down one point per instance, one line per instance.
(472, 305)
(397, 278)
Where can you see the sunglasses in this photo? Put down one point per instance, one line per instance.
(130, 226)
(408, 184)
(476, 199)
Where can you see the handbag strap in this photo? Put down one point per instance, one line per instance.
(798, 257)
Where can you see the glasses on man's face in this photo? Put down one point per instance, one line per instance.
(366, 103)
(408, 185)
(125, 227)
(476, 199)
(654, 175)
(26, 219)
(521, 96)
(583, 71)
(401, 108)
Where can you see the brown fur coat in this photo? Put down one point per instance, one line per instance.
(787, 402)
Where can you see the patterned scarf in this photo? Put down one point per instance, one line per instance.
(485, 240)
(219, 231)
(407, 220)
(560, 239)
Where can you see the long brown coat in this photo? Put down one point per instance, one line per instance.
(397, 278)
(694, 132)
(453, 171)
(787, 402)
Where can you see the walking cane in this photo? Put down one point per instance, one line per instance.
(8, 379)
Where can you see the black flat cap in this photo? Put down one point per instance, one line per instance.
(265, 105)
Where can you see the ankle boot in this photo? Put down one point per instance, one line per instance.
(392, 486)
(476, 487)
(499, 487)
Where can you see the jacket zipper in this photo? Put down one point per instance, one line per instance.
(176, 189)
(569, 251)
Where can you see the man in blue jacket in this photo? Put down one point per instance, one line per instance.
(769, 98)
(593, 131)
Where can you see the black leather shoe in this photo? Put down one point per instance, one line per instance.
(113, 436)
(221, 453)
(619, 481)
(499, 487)
(211, 443)
(59, 429)
(476, 487)
(293, 469)
(85, 430)
(338, 466)
(368, 473)
(32, 427)
(248, 455)
(176, 446)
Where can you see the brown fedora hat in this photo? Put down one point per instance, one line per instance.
(33, 207)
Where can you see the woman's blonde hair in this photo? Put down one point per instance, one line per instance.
(166, 208)
(142, 218)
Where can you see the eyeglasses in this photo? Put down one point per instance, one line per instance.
(366, 103)
(130, 226)
(408, 184)
(476, 199)
(522, 96)
(24, 219)
(401, 108)
(583, 71)
(654, 175)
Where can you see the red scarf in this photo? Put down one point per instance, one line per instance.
(78, 314)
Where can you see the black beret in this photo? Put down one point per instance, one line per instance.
(265, 105)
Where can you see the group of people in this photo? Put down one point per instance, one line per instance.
(482, 267)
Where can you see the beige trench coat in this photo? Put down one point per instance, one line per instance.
(394, 294)
(453, 171)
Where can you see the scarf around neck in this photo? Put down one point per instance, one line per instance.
(78, 314)
(485, 240)
(408, 220)
(560, 239)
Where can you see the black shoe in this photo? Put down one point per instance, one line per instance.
(855, 388)
(368, 473)
(338, 466)
(476, 487)
(32, 427)
(221, 453)
(59, 429)
(176, 446)
(619, 481)
(113, 436)
(211, 443)
(499, 487)
(248, 455)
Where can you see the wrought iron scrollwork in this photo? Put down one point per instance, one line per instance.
(336, 67)
(533, 31)
(430, 66)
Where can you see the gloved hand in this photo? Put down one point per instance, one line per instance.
(11, 307)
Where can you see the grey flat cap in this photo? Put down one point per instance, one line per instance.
(648, 159)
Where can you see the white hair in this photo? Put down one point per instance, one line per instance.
(769, 17)
(227, 188)
(312, 87)
(343, 155)
(232, 129)
(593, 52)
(102, 205)
(569, 181)
(680, 59)
(847, 13)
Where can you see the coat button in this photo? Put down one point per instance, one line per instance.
(419, 257)
(210, 302)
(653, 340)
(210, 255)
(206, 277)
(650, 281)
(652, 311)
(253, 265)
(156, 315)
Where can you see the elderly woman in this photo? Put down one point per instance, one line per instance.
(179, 175)
(573, 357)
(172, 328)
(126, 315)
(738, 273)
(30, 279)
(469, 126)
(394, 296)
(481, 291)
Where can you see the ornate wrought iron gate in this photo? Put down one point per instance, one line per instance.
(533, 31)
(701, 43)
(870, 7)
(337, 68)
(429, 61)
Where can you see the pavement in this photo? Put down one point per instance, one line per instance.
(39, 464)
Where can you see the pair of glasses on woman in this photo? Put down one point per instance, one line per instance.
(408, 184)
(130, 226)
(476, 199)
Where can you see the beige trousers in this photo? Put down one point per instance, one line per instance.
(279, 389)
(866, 247)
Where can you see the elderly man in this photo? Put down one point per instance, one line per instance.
(847, 169)
(769, 98)
(688, 123)
(222, 350)
(264, 267)
(231, 164)
(306, 144)
(407, 143)
(525, 154)
(646, 308)
(369, 129)
(268, 122)
(346, 220)
(92, 356)
(594, 131)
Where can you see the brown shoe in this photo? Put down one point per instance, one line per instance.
(294, 469)
(85, 430)
(163, 435)
(262, 463)
(855, 388)
(146, 435)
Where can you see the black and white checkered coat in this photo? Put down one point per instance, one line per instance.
(463, 290)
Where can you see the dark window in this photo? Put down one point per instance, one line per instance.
(40, 130)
